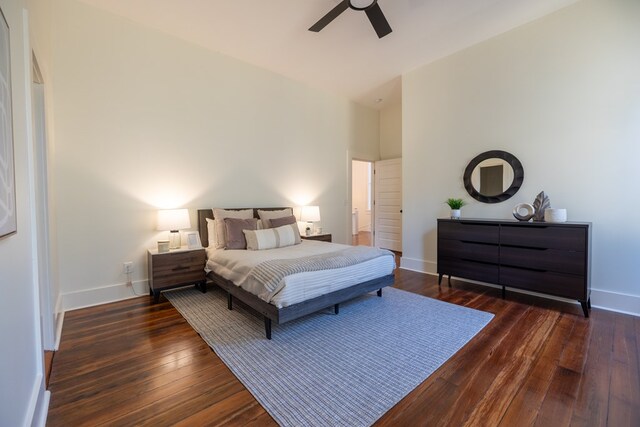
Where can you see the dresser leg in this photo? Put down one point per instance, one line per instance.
(267, 327)
(230, 301)
(589, 303)
(585, 307)
(449, 280)
(439, 279)
(379, 292)
(203, 287)
(156, 297)
(504, 292)
(336, 309)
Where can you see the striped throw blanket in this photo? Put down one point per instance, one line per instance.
(270, 273)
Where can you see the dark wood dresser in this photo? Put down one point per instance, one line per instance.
(549, 258)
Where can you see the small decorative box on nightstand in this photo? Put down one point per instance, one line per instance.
(177, 268)
(320, 237)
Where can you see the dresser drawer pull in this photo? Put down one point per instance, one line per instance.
(479, 243)
(537, 270)
(475, 261)
(525, 247)
(181, 268)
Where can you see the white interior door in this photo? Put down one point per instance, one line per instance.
(47, 298)
(388, 204)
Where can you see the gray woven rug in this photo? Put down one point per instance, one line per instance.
(328, 370)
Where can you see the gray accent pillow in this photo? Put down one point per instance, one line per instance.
(220, 214)
(265, 216)
(235, 236)
(279, 222)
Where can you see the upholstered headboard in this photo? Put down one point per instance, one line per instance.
(203, 214)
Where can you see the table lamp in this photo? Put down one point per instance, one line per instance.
(310, 214)
(173, 220)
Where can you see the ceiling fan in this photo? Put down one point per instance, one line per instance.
(370, 7)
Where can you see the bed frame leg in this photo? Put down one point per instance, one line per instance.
(336, 309)
(267, 327)
(230, 301)
(380, 292)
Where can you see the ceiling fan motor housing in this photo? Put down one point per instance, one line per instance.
(361, 4)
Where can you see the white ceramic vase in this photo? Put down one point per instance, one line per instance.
(455, 213)
(555, 215)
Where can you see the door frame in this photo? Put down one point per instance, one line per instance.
(48, 317)
(373, 201)
(351, 156)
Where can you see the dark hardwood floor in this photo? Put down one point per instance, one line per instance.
(538, 362)
(363, 238)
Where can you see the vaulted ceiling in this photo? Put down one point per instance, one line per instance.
(346, 57)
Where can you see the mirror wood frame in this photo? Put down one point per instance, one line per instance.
(518, 176)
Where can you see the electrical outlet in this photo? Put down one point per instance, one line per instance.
(128, 267)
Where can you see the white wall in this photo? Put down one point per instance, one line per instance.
(145, 120)
(21, 364)
(391, 131)
(563, 95)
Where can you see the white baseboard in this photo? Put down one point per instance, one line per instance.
(615, 301)
(58, 332)
(40, 417)
(606, 300)
(419, 265)
(36, 401)
(104, 295)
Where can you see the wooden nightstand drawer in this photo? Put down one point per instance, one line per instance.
(318, 237)
(173, 269)
(170, 260)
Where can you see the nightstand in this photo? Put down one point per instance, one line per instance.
(179, 267)
(320, 237)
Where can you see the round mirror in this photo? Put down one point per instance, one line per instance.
(493, 176)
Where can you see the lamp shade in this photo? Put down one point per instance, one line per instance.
(310, 213)
(173, 219)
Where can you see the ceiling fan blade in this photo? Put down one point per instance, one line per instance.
(333, 14)
(379, 22)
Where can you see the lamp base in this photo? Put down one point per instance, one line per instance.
(174, 239)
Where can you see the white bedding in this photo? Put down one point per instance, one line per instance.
(235, 265)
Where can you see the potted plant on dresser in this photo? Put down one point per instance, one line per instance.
(455, 205)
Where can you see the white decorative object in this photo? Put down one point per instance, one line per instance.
(541, 203)
(455, 213)
(555, 215)
(523, 212)
(173, 220)
(163, 246)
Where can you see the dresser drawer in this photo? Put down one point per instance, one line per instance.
(554, 237)
(177, 277)
(554, 260)
(468, 251)
(469, 232)
(171, 260)
(562, 285)
(469, 269)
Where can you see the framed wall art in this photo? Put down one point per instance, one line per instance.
(8, 222)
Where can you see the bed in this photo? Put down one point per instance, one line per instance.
(280, 305)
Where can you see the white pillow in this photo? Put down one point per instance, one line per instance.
(221, 214)
(271, 238)
(267, 215)
(217, 233)
(211, 232)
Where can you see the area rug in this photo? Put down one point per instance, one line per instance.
(333, 370)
